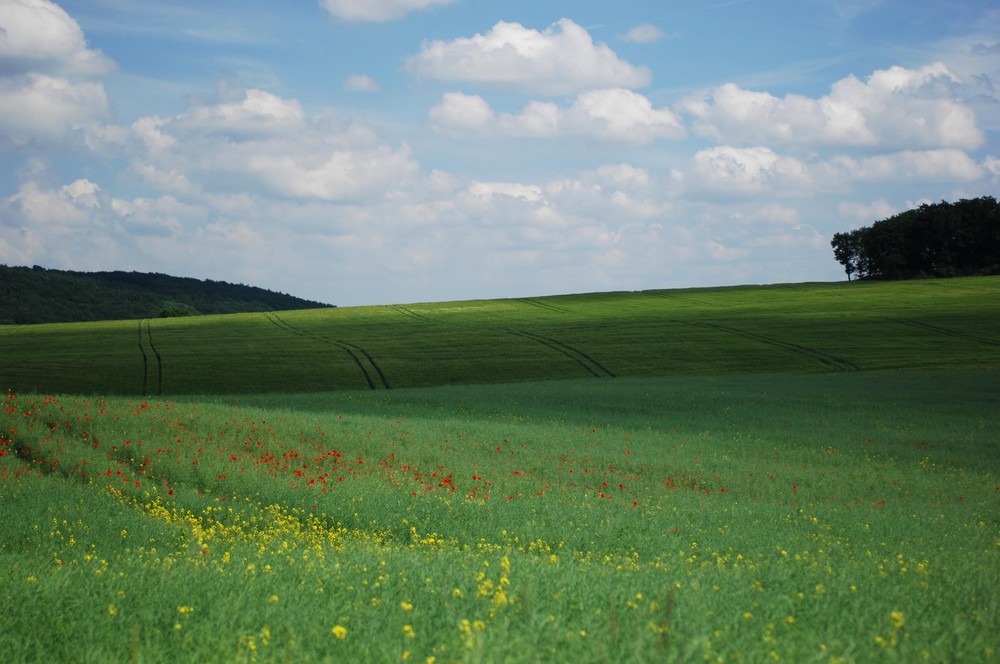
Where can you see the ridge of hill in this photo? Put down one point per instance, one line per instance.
(31, 295)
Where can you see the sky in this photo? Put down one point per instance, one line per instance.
(362, 152)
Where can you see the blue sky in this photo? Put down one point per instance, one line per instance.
(385, 151)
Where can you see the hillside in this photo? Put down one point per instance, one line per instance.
(788, 329)
(38, 295)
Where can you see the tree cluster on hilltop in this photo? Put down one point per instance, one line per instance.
(38, 295)
(937, 240)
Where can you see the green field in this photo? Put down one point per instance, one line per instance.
(805, 473)
(946, 323)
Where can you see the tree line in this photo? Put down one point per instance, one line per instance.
(38, 295)
(934, 240)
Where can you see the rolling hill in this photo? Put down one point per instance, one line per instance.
(38, 295)
(791, 328)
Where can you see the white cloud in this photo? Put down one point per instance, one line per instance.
(377, 10)
(44, 67)
(460, 112)
(896, 107)
(561, 60)
(926, 165)
(622, 115)
(45, 207)
(728, 170)
(614, 114)
(992, 164)
(259, 112)
(644, 33)
(37, 107)
(264, 142)
(38, 36)
(336, 175)
(361, 83)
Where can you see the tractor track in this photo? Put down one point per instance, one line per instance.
(356, 353)
(145, 360)
(409, 313)
(541, 305)
(942, 330)
(588, 363)
(592, 366)
(831, 361)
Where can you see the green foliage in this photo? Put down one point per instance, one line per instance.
(942, 240)
(787, 517)
(173, 309)
(807, 328)
(38, 295)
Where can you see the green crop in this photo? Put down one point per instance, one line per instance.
(947, 323)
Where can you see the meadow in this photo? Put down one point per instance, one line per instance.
(789, 492)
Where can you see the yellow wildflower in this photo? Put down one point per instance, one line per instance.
(339, 631)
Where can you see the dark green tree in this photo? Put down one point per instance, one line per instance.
(939, 240)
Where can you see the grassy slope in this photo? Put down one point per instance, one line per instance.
(807, 328)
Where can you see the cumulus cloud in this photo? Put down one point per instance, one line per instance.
(37, 107)
(896, 107)
(259, 112)
(562, 59)
(38, 36)
(45, 71)
(377, 10)
(612, 114)
(264, 141)
(728, 170)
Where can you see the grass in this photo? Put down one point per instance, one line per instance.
(788, 473)
(827, 517)
(948, 323)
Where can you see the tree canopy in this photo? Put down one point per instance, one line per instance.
(37, 295)
(933, 240)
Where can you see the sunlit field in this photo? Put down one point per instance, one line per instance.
(834, 517)
(789, 328)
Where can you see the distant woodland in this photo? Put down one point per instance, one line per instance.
(939, 240)
(38, 295)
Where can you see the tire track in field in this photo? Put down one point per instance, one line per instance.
(942, 330)
(588, 363)
(831, 361)
(145, 360)
(542, 305)
(592, 366)
(145, 363)
(361, 357)
(410, 313)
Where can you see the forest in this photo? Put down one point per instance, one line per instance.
(933, 240)
(39, 295)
